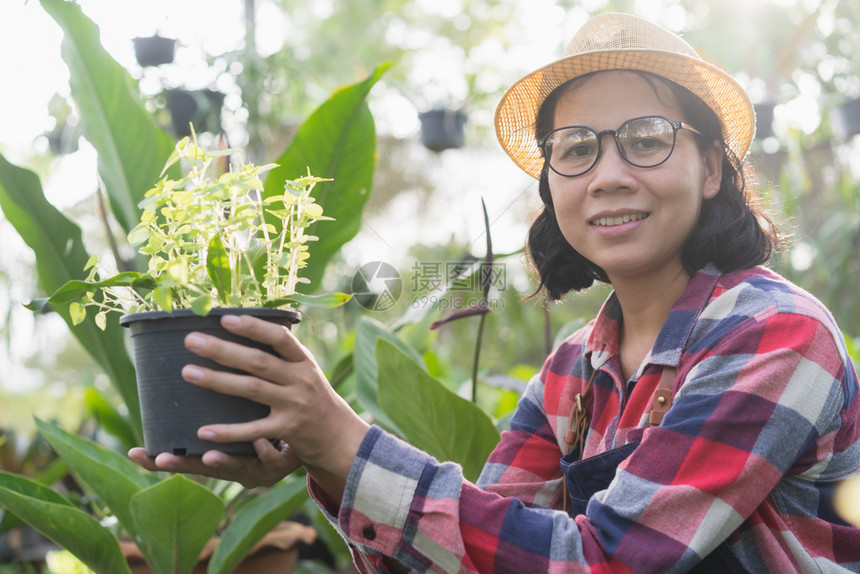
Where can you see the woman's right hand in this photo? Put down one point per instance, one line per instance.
(267, 468)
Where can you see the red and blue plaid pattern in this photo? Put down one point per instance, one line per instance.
(764, 424)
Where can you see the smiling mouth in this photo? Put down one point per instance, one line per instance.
(612, 221)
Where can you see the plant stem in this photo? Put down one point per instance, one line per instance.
(476, 357)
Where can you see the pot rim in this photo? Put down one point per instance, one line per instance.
(265, 312)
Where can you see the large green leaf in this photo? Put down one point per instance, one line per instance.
(174, 520)
(253, 521)
(432, 417)
(367, 333)
(112, 476)
(61, 257)
(60, 521)
(337, 141)
(131, 148)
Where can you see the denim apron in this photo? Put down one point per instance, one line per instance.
(586, 477)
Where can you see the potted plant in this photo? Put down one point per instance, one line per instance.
(213, 246)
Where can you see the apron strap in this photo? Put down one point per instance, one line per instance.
(577, 422)
(663, 396)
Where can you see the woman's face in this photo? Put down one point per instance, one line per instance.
(631, 221)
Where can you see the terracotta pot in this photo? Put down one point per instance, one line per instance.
(276, 553)
(172, 409)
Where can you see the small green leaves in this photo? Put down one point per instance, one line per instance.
(208, 242)
(218, 267)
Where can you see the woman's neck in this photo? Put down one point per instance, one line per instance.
(645, 305)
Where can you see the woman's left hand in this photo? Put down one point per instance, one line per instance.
(267, 468)
(322, 431)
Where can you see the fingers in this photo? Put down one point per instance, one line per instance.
(276, 336)
(270, 465)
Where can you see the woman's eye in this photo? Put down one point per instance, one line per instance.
(647, 144)
(578, 151)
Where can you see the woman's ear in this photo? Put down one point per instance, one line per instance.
(713, 157)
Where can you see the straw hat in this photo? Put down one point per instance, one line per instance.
(622, 42)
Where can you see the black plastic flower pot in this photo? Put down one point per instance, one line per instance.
(442, 129)
(154, 50)
(764, 119)
(172, 410)
(848, 118)
(199, 107)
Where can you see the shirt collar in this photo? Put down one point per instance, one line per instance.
(603, 340)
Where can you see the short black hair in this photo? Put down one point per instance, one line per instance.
(733, 231)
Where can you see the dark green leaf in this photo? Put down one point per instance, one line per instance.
(367, 334)
(56, 518)
(109, 418)
(131, 148)
(432, 417)
(61, 257)
(111, 475)
(174, 520)
(253, 521)
(337, 141)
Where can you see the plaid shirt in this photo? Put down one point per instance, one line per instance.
(764, 424)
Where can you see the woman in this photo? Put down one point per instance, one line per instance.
(699, 423)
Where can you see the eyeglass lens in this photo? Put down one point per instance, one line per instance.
(643, 142)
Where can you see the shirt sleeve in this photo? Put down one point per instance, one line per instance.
(757, 403)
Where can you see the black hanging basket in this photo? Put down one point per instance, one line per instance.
(442, 128)
(764, 119)
(172, 409)
(199, 107)
(848, 118)
(154, 50)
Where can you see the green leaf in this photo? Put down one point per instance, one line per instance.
(75, 289)
(218, 267)
(253, 521)
(60, 258)
(56, 518)
(108, 417)
(337, 141)
(432, 417)
(174, 520)
(131, 148)
(111, 475)
(329, 300)
(367, 333)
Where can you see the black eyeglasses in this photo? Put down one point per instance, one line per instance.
(643, 142)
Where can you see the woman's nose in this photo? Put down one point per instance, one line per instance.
(611, 172)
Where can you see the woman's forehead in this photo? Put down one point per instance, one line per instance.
(614, 96)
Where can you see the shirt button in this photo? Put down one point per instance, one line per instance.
(369, 532)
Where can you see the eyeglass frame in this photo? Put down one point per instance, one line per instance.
(676, 126)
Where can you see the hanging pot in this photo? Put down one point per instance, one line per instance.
(199, 107)
(172, 409)
(154, 50)
(764, 119)
(442, 128)
(848, 118)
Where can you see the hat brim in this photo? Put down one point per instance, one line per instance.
(517, 110)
